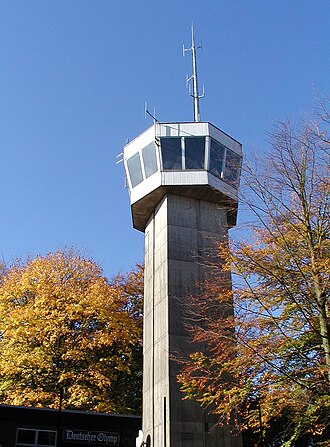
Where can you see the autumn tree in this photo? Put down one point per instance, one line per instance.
(67, 332)
(129, 288)
(266, 366)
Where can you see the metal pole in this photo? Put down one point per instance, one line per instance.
(195, 91)
(193, 77)
(58, 443)
(260, 426)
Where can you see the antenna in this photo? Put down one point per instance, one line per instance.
(146, 112)
(120, 158)
(193, 77)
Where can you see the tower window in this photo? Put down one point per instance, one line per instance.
(232, 169)
(149, 159)
(217, 152)
(134, 169)
(171, 153)
(194, 152)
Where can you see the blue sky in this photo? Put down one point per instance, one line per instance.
(73, 81)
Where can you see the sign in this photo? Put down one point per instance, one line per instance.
(91, 437)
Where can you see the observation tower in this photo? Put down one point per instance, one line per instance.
(183, 186)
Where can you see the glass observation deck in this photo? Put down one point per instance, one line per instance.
(193, 159)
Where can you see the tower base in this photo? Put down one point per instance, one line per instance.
(180, 240)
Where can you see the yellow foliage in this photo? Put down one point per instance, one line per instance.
(63, 325)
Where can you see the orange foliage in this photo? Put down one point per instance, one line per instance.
(64, 326)
(267, 360)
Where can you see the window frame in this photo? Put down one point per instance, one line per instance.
(36, 437)
(195, 138)
(223, 159)
(181, 156)
(144, 165)
(227, 170)
(137, 156)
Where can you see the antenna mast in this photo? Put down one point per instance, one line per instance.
(193, 77)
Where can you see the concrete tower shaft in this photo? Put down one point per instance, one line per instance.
(181, 233)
